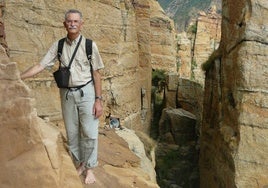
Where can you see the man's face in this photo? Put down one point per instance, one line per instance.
(73, 23)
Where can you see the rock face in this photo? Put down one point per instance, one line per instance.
(195, 46)
(30, 149)
(207, 38)
(126, 41)
(33, 152)
(137, 146)
(177, 154)
(184, 11)
(185, 94)
(177, 126)
(234, 126)
(184, 55)
(235, 120)
(163, 47)
(119, 166)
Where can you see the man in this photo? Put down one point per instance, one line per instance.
(81, 107)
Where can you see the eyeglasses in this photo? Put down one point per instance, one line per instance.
(70, 22)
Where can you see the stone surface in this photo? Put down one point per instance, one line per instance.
(32, 153)
(34, 150)
(118, 165)
(162, 40)
(185, 94)
(195, 46)
(177, 151)
(235, 125)
(137, 146)
(184, 55)
(179, 123)
(208, 36)
(125, 40)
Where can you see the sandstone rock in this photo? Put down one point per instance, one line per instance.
(124, 40)
(162, 39)
(185, 94)
(180, 123)
(32, 153)
(137, 147)
(118, 166)
(235, 123)
(207, 40)
(32, 150)
(184, 55)
(177, 150)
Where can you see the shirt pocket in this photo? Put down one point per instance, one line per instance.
(82, 63)
(64, 62)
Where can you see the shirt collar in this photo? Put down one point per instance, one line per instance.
(75, 41)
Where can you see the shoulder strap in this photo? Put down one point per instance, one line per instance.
(89, 55)
(60, 47)
(89, 48)
(75, 50)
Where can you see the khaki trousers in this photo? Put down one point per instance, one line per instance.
(81, 125)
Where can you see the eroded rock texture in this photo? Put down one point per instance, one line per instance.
(126, 32)
(33, 152)
(234, 145)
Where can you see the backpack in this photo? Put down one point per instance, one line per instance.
(88, 52)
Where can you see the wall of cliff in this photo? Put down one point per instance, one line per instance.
(233, 131)
(30, 144)
(234, 123)
(235, 120)
(124, 32)
(32, 152)
(182, 12)
(197, 44)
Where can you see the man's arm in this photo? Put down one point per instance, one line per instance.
(97, 109)
(32, 71)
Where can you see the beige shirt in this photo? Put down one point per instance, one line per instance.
(80, 68)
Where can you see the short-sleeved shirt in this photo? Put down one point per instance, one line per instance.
(80, 68)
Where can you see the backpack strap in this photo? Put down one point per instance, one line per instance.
(89, 48)
(89, 55)
(60, 47)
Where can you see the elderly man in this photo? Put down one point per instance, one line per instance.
(81, 100)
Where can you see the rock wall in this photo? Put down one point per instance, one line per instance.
(163, 46)
(124, 40)
(185, 94)
(176, 153)
(33, 152)
(234, 145)
(184, 55)
(195, 46)
(207, 38)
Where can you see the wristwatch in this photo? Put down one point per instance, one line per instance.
(98, 97)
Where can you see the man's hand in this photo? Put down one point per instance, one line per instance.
(97, 108)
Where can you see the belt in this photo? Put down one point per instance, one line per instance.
(76, 88)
